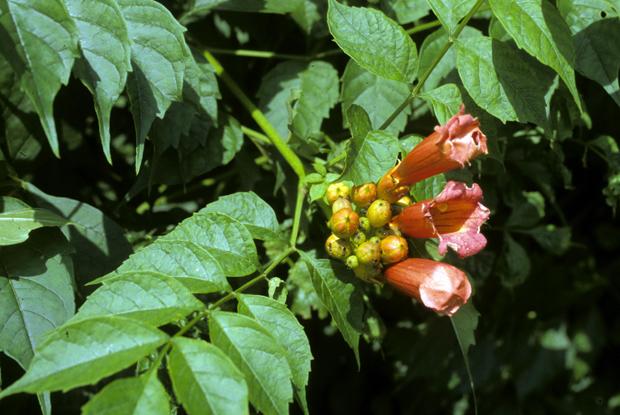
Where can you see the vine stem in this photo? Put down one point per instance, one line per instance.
(198, 317)
(289, 155)
(422, 27)
(267, 54)
(418, 87)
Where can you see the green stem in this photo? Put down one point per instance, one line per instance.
(253, 281)
(301, 193)
(258, 116)
(255, 135)
(418, 87)
(266, 54)
(422, 27)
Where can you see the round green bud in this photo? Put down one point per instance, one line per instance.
(358, 238)
(337, 248)
(379, 213)
(365, 224)
(375, 240)
(344, 223)
(352, 262)
(364, 195)
(368, 253)
(393, 249)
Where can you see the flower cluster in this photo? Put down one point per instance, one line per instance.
(369, 221)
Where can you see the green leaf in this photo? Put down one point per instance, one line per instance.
(374, 41)
(223, 143)
(17, 220)
(264, 6)
(21, 130)
(538, 28)
(250, 210)
(507, 87)
(36, 292)
(158, 56)
(278, 320)
(84, 352)
(105, 56)
(318, 95)
(205, 380)
(515, 265)
(405, 11)
(580, 14)
(276, 94)
(303, 295)
(200, 86)
(444, 70)
(450, 12)
(152, 299)
(445, 101)
(369, 157)
(341, 295)
(39, 40)
(359, 122)
(309, 15)
(378, 96)
(99, 242)
(552, 238)
(527, 211)
(598, 57)
(142, 395)
(222, 236)
(475, 66)
(428, 188)
(261, 359)
(464, 323)
(300, 95)
(192, 265)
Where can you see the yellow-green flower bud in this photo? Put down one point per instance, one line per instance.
(368, 253)
(341, 203)
(337, 248)
(379, 213)
(393, 249)
(364, 195)
(336, 190)
(344, 223)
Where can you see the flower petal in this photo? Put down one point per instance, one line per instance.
(439, 286)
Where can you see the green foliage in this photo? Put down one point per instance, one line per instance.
(162, 264)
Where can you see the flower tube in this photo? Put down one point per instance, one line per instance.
(450, 146)
(441, 287)
(454, 217)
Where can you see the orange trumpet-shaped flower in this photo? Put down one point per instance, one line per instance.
(440, 287)
(450, 146)
(454, 216)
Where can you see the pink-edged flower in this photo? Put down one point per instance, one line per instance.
(439, 286)
(454, 217)
(450, 146)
